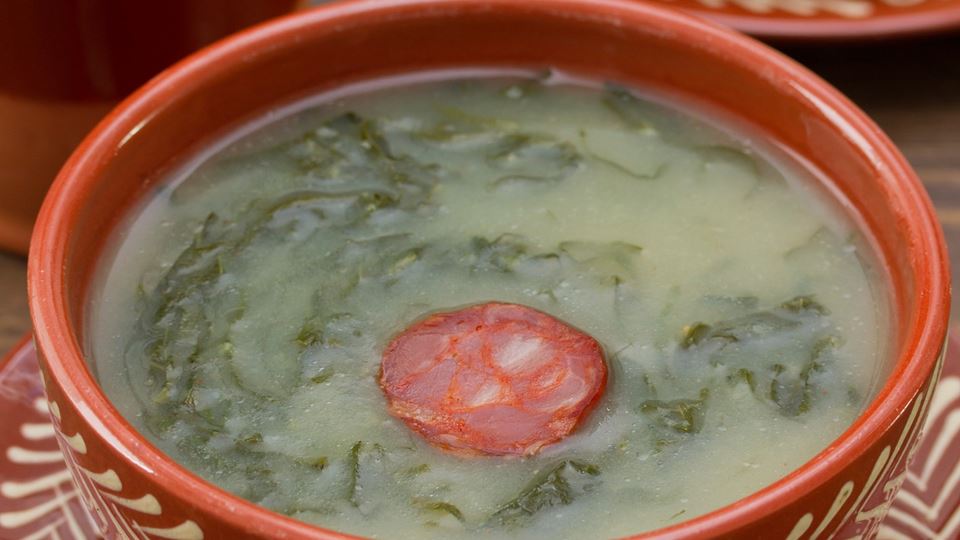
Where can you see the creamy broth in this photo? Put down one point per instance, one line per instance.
(241, 319)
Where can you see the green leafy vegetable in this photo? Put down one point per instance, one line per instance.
(521, 156)
(793, 392)
(740, 302)
(788, 377)
(442, 507)
(499, 254)
(744, 375)
(416, 470)
(256, 438)
(530, 157)
(348, 172)
(608, 259)
(696, 333)
(804, 304)
(789, 392)
(630, 110)
(353, 468)
(322, 377)
(680, 415)
(461, 131)
(787, 316)
(351, 147)
(359, 461)
(559, 485)
(311, 331)
(318, 463)
(623, 169)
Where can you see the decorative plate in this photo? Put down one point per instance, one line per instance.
(37, 496)
(828, 20)
(38, 500)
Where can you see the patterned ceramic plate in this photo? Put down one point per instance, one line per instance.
(828, 20)
(38, 501)
(37, 497)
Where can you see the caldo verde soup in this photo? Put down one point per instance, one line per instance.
(499, 306)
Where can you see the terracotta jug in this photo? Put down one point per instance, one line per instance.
(65, 63)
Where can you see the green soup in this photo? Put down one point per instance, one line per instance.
(242, 315)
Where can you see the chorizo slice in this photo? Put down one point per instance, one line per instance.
(495, 379)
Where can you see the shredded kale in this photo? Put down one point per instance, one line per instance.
(804, 304)
(441, 507)
(793, 391)
(533, 157)
(359, 459)
(322, 377)
(697, 332)
(416, 470)
(788, 379)
(519, 156)
(680, 415)
(623, 169)
(318, 463)
(743, 375)
(606, 259)
(621, 102)
(499, 254)
(559, 485)
(349, 172)
(787, 316)
(353, 468)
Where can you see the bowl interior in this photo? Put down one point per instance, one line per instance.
(639, 45)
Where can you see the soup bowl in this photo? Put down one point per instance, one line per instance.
(134, 490)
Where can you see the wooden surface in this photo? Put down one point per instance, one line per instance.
(911, 88)
(14, 319)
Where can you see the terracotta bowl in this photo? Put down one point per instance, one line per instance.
(65, 63)
(135, 490)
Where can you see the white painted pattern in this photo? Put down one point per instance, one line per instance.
(55, 488)
(25, 456)
(947, 392)
(848, 9)
(102, 494)
(917, 511)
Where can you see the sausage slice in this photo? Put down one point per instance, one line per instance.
(496, 379)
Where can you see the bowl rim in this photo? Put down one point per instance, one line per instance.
(64, 356)
(784, 28)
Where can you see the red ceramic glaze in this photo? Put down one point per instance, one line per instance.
(828, 20)
(65, 63)
(139, 492)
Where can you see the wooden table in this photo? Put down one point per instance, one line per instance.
(911, 88)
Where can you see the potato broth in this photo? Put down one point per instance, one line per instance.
(240, 319)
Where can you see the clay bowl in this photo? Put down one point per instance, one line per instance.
(65, 63)
(135, 490)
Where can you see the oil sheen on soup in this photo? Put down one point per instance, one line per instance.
(503, 305)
